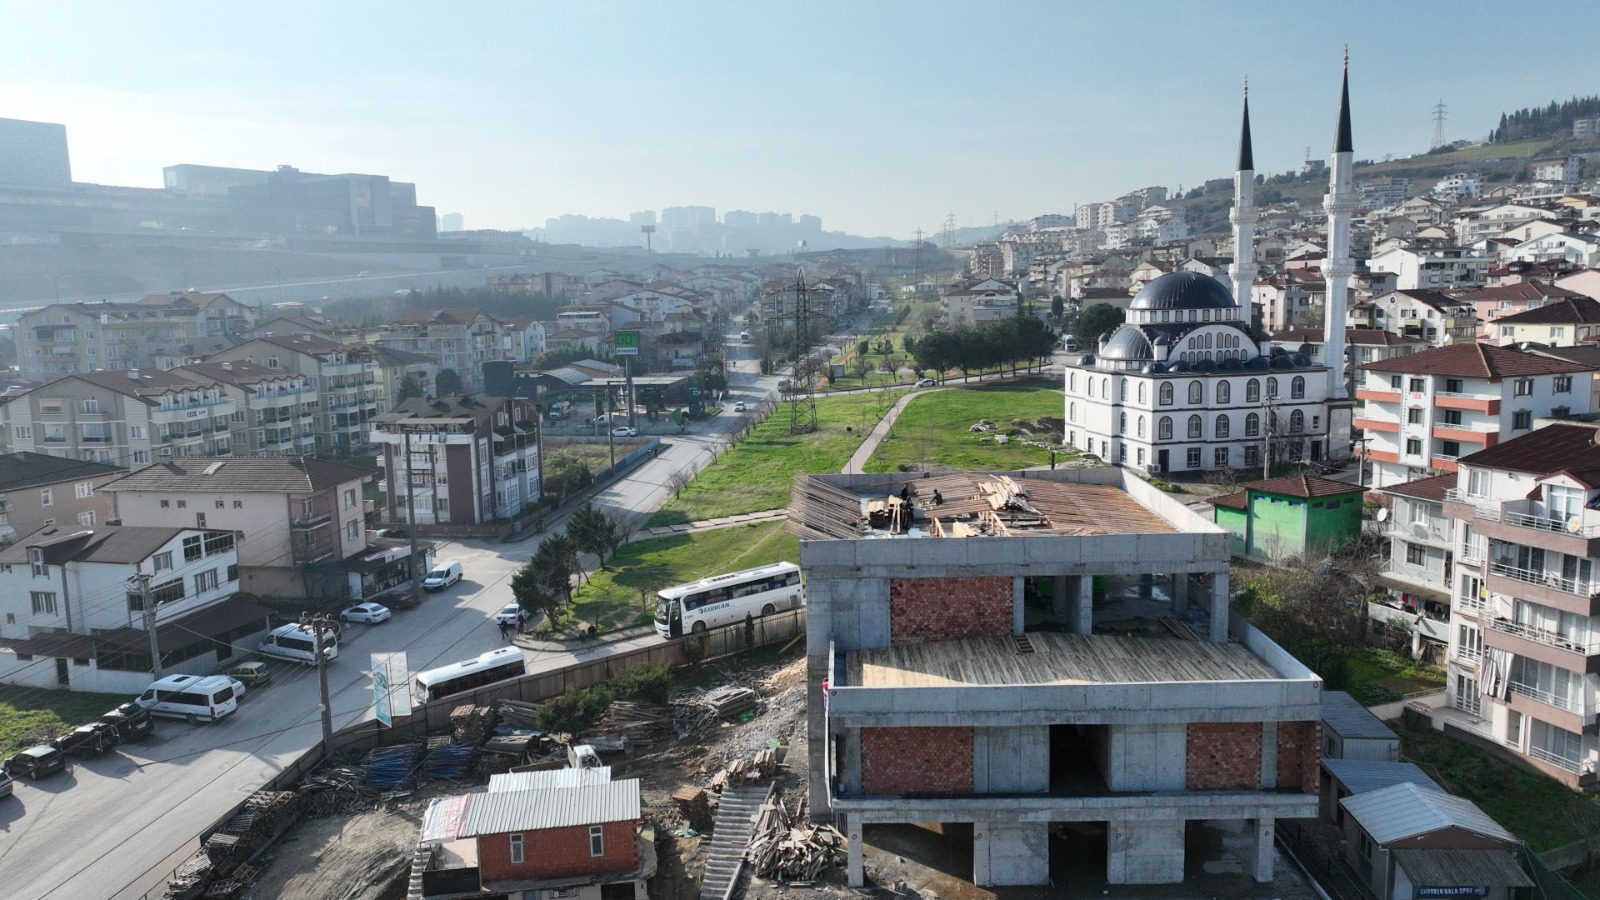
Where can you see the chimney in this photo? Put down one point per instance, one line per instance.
(134, 374)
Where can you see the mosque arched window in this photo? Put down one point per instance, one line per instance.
(1297, 422)
(1224, 392)
(1196, 427)
(1252, 391)
(1297, 388)
(1222, 428)
(1252, 425)
(1166, 393)
(1197, 393)
(1272, 388)
(1164, 428)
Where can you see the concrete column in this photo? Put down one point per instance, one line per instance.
(1081, 619)
(850, 778)
(855, 871)
(1147, 584)
(1219, 607)
(1180, 593)
(1139, 852)
(1416, 643)
(1269, 756)
(1009, 853)
(1060, 603)
(1261, 866)
(1018, 606)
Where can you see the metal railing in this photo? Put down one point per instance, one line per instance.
(1560, 762)
(1468, 655)
(1476, 604)
(1545, 697)
(1533, 514)
(1544, 579)
(1547, 638)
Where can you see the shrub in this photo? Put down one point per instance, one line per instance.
(1372, 693)
(579, 708)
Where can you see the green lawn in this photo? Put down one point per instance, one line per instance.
(30, 716)
(1530, 806)
(756, 473)
(933, 429)
(1380, 676)
(612, 599)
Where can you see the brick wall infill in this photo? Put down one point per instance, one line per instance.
(560, 852)
(911, 762)
(1300, 756)
(926, 610)
(1223, 756)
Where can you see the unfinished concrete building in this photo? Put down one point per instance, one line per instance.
(1043, 666)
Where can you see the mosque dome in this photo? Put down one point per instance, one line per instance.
(1183, 290)
(1127, 344)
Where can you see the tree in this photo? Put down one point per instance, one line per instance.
(555, 562)
(565, 475)
(534, 595)
(410, 386)
(594, 532)
(863, 346)
(1058, 307)
(1317, 611)
(447, 382)
(1095, 320)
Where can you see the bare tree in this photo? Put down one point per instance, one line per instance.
(679, 480)
(1315, 608)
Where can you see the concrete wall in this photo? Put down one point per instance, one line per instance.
(1010, 760)
(1143, 757)
(1144, 852)
(1006, 853)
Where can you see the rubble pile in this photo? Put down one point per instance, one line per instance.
(786, 851)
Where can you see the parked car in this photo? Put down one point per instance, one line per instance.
(624, 431)
(739, 407)
(510, 614)
(130, 722)
(36, 762)
(7, 784)
(370, 613)
(927, 382)
(443, 575)
(250, 673)
(238, 687)
(86, 741)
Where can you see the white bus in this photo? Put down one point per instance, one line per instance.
(727, 599)
(496, 665)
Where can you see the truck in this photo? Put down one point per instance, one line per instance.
(744, 336)
(560, 409)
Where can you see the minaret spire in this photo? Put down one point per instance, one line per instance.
(1341, 140)
(1337, 268)
(1243, 215)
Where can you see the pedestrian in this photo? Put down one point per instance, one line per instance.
(938, 498)
(504, 628)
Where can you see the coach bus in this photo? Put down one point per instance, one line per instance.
(727, 599)
(496, 665)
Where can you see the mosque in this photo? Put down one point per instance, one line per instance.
(1188, 384)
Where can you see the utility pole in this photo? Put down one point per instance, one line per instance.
(319, 626)
(140, 582)
(411, 528)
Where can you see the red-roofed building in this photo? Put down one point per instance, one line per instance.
(1295, 515)
(1561, 322)
(461, 339)
(128, 418)
(1425, 410)
(1493, 303)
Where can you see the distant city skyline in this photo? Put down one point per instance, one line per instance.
(878, 118)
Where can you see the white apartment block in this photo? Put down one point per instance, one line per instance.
(345, 379)
(158, 332)
(1432, 269)
(132, 418)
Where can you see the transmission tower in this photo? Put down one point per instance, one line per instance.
(792, 305)
(916, 259)
(1439, 110)
(950, 230)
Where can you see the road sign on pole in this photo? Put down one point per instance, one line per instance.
(627, 343)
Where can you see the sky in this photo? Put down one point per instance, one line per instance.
(881, 117)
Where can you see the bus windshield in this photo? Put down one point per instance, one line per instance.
(664, 609)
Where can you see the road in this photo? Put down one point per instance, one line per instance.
(116, 826)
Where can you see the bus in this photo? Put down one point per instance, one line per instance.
(727, 599)
(496, 665)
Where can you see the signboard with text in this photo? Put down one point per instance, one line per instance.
(391, 687)
(627, 343)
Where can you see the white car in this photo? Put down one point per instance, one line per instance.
(927, 382)
(238, 687)
(624, 431)
(370, 613)
(510, 614)
(739, 407)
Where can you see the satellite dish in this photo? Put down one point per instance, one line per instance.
(1383, 515)
(1575, 524)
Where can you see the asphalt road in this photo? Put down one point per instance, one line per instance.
(116, 826)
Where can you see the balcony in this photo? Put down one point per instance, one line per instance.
(1432, 629)
(1484, 403)
(1369, 424)
(1483, 433)
(1436, 531)
(1549, 580)
(1573, 654)
(311, 519)
(1548, 758)
(1567, 703)
(1373, 395)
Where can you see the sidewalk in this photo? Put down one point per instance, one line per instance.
(870, 444)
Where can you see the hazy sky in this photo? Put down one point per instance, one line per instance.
(880, 117)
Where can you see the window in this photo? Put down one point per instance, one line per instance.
(1297, 422)
(1164, 428)
(221, 504)
(1522, 419)
(352, 530)
(1122, 423)
(1252, 391)
(1122, 453)
(161, 561)
(233, 572)
(597, 840)
(167, 592)
(1196, 427)
(200, 520)
(1413, 447)
(1252, 425)
(1219, 458)
(1223, 428)
(1224, 393)
(1140, 426)
(1072, 381)
(1297, 388)
(1452, 417)
(1122, 397)
(1164, 396)
(83, 489)
(1272, 388)
(36, 559)
(218, 542)
(44, 603)
(1196, 393)
(1141, 456)
(516, 849)
(192, 548)
(205, 581)
(1192, 458)
(1418, 385)
(23, 432)
(1557, 331)
(1450, 448)
(1452, 385)
(1414, 416)
(1561, 384)
(1143, 393)
(1416, 554)
(86, 517)
(46, 498)
(1394, 382)
(1072, 412)
(1252, 456)
(1522, 387)
(272, 362)
(350, 499)
(183, 504)
(238, 504)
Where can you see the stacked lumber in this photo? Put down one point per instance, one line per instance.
(729, 702)
(515, 712)
(695, 806)
(785, 850)
(749, 771)
(233, 885)
(192, 878)
(265, 816)
(470, 724)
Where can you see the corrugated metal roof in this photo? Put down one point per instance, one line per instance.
(532, 810)
(1441, 868)
(1364, 775)
(1349, 719)
(442, 822)
(554, 778)
(1406, 810)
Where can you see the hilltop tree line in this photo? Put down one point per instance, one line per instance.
(1543, 122)
(1020, 339)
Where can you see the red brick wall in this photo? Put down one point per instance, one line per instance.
(1299, 756)
(924, 610)
(1224, 756)
(556, 852)
(916, 761)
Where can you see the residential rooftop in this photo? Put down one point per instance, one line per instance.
(273, 474)
(27, 469)
(1475, 361)
(1546, 451)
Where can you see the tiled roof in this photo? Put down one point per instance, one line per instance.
(478, 409)
(271, 474)
(1553, 448)
(1366, 337)
(1436, 299)
(145, 384)
(1237, 500)
(458, 315)
(26, 469)
(1430, 488)
(1522, 290)
(241, 373)
(99, 543)
(1474, 361)
(1566, 310)
(1302, 485)
(310, 344)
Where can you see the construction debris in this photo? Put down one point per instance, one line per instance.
(695, 806)
(749, 771)
(518, 714)
(219, 868)
(470, 724)
(730, 702)
(786, 851)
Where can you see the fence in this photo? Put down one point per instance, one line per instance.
(1320, 859)
(719, 642)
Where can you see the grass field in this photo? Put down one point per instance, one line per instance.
(612, 599)
(755, 474)
(31, 716)
(933, 428)
(1392, 671)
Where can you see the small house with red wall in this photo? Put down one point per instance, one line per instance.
(581, 841)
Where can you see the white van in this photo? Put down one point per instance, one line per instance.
(443, 575)
(299, 643)
(190, 697)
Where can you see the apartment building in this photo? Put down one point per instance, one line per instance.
(296, 517)
(344, 377)
(1362, 346)
(274, 410)
(1525, 624)
(39, 491)
(157, 332)
(461, 340)
(983, 654)
(1565, 322)
(1432, 317)
(1426, 410)
(459, 460)
(1420, 567)
(1432, 269)
(131, 418)
(1492, 303)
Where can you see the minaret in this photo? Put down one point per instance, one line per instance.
(1340, 204)
(1243, 217)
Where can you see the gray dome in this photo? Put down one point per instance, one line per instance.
(1128, 343)
(1183, 290)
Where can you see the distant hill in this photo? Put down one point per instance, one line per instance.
(1544, 123)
